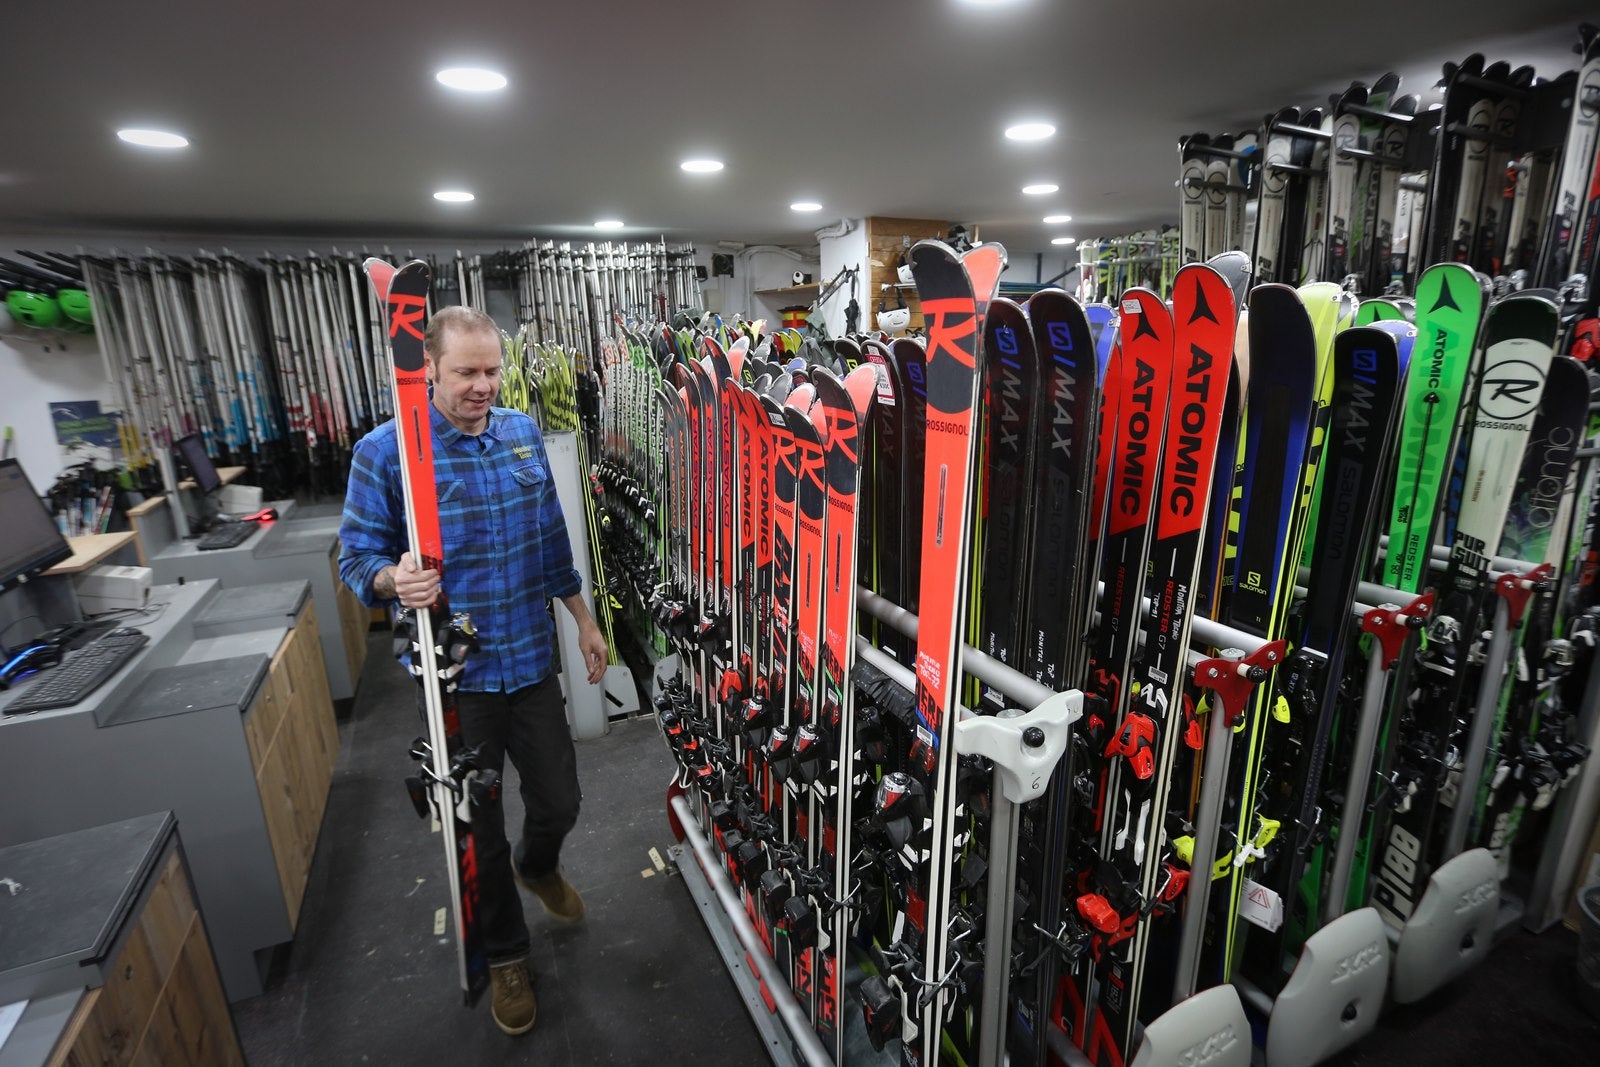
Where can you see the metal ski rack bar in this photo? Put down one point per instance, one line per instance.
(1202, 631)
(1474, 81)
(1301, 131)
(1217, 153)
(1290, 168)
(1473, 134)
(1395, 162)
(1205, 183)
(806, 1042)
(985, 668)
(1370, 112)
(1440, 555)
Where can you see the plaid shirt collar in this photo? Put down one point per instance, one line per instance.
(449, 435)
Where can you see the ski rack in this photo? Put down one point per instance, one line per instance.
(1025, 748)
(1513, 592)
(1459, 914)
(774, 985)
(1391, 626)
(1005, 740)
(1242, 664)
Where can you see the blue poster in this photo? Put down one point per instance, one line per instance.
(85, 434)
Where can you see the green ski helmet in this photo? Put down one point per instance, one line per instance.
(34, 309)
(76, 306)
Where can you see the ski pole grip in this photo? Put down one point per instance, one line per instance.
(1024, 747)
(1391, 625)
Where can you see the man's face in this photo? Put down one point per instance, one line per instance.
(466, 378)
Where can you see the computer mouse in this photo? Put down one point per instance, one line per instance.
(28, 660)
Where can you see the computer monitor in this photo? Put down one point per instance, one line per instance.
(191, 451)
(30, 542)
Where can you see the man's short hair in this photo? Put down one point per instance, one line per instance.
(455, 319)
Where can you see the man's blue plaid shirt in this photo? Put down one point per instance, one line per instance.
(506, 552)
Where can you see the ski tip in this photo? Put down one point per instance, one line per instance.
(863, 384)
(984, 265)
(801, 396)
(380, 272)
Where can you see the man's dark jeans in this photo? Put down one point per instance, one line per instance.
(531, 726)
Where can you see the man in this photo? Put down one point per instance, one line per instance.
(506, 556)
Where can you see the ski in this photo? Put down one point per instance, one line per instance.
(1368, 372)
(1099, 986)
(1517, 348)
(448, 784)
(842, 410)
(1521, 765)
(1065, 395)
(1449, 304)
(928, 957)
(1279, 421)
(1157, 726)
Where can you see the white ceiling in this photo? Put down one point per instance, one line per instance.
(323, 118)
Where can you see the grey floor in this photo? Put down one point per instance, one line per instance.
(367, 981)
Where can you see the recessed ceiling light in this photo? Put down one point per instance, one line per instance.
(1063, 240)
(471, 79)
(454, 196)
(1054, 220)
(805, 205)
(1030, 131)
(608, 224)
(1041, 188)
(701, 166)
(153, 138)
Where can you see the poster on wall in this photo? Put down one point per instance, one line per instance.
(85, 434)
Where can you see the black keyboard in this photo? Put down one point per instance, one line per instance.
(81, 673)
(226, 535)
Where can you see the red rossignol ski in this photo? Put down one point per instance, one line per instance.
(841, 413)
(926, 958)
(448, 783)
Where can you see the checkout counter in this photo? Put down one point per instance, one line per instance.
(293, 547)
(104, 957)
(226, 720)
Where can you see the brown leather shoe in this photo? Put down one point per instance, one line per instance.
(556, 894)
(514, 1007)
